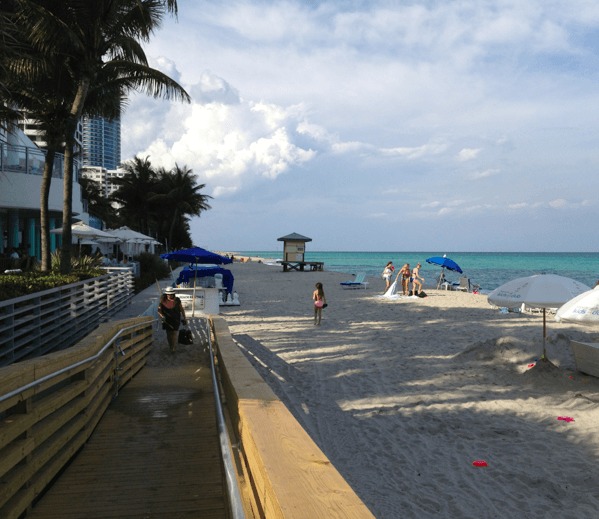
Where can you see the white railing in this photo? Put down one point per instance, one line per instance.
(55, 319)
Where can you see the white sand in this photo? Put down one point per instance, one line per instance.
(403, 395)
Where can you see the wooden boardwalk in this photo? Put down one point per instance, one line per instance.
(155, 453)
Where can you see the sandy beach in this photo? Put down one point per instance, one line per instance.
(403, 395)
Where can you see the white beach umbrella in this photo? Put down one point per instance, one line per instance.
(82, 231)
(583, 309)
(538, 291)
(133, 239)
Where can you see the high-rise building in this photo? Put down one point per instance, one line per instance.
(103, 177)
(101, 142)
(32, 129)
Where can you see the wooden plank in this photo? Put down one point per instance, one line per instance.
(155, 453)
(299, 480)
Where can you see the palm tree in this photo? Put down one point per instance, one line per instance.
(180, 197)
(98, 46)
(108, 50)
(135, 194)
(98, 205)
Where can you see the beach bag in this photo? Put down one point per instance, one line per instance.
(421, 294)
(185, 336)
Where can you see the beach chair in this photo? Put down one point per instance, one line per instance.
(464, 285)
(358, 282)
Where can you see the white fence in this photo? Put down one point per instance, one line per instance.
(55, 319)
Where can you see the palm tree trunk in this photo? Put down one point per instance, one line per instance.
(67, 210)
(44, 220)
(174, 221)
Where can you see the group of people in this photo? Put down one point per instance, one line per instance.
(406, 276)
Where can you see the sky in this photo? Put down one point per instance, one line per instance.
(470, 125)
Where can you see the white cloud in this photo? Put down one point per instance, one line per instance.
(487, 173)
(229, 141)
(466, 154)
(558, 203)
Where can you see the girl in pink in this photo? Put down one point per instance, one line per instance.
(320, 302)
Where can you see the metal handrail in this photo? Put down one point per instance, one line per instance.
(50, 376)
(235, 501)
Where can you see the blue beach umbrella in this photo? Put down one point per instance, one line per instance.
(197, 255)
(445, 263)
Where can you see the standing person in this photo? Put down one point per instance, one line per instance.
(387, 273)
(405, 278)
(319, 302)
(171, 312)
(416, 280)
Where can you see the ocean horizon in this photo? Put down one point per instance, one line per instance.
(487, 269)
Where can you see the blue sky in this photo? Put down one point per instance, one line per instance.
(468, 125)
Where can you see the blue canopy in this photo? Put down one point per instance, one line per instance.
(188, 274)
(197, 255)
(444, 262)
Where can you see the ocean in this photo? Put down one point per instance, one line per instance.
(487, 269)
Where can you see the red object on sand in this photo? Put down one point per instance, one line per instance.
(565, 418)
(532, 365)
(480, 463)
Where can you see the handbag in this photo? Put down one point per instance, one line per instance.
(185, 336)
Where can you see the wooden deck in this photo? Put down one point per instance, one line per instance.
(155, 453)
(302, 265)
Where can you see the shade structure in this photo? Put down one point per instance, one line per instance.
(135, 241)
(197, 255)
(583, 309)
(538, 291)
(445, 263)
(81, 230)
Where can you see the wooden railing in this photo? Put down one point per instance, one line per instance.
(54, 319)
(283, 472)
(50, 405)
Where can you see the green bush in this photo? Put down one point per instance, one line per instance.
(151, 268)
(17, 285)
(29, 282)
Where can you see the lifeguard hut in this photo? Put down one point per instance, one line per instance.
(294, 248)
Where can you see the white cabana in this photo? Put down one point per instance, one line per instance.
(134, 242)
(81, 232)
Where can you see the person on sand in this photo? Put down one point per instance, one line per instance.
(172, 313)
(320, 302)
(416, 280)
(404, 273)
(387, 273)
